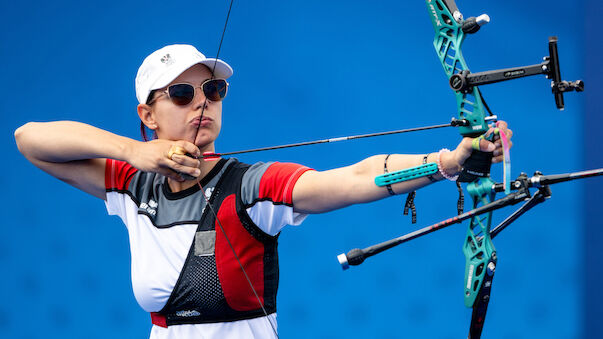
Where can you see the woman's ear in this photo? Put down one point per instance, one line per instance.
(146, 116)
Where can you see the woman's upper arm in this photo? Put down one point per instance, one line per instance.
(87, 175)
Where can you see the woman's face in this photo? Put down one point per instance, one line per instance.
(183, 122)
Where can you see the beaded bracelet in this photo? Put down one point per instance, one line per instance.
(441, 168)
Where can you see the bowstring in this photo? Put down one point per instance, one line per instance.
(211, 208)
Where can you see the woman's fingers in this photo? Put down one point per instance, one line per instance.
(497, 159)
(486, 146)
(499, 151)
(180, 160)
(189, 147)
(182, 168)
(186, 164)
(185, 160)
(174, 159)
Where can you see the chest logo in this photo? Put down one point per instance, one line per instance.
(150, 208)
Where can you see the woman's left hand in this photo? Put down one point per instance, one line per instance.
(456, 159)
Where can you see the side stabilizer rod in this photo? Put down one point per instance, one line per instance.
(357, 256)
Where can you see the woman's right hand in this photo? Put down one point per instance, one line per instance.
(154, 156)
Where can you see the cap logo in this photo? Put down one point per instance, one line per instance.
(167, 59)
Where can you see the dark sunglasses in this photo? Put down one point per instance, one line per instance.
(183, 94)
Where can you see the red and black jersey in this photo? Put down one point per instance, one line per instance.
(253, 202)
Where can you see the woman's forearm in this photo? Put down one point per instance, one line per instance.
(63, 141)
(366, 171)
(319, 192)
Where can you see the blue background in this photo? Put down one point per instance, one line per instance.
(309, 70)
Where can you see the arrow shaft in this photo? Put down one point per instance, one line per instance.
(331, 140)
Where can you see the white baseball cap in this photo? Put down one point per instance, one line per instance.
(166, 64)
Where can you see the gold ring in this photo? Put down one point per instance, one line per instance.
(176, 150)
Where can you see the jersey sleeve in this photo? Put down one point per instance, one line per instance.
(118, 175)
(267, 195)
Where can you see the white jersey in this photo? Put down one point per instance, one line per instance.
(162, 225)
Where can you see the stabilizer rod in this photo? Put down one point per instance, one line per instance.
(357, 256)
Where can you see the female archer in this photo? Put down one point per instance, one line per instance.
(203, 234)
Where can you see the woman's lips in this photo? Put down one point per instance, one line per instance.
(206, 121)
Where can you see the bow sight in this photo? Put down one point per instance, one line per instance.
(465, 80)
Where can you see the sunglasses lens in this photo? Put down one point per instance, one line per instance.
(215, 90)
(181, 94)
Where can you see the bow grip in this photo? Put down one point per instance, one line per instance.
(478, 164)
